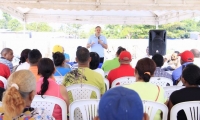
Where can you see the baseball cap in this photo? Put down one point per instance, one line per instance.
(125, 55)
(58, 48)
(120, 103)
(187, 56)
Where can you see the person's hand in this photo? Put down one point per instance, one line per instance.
(92, 43)
(100, 41)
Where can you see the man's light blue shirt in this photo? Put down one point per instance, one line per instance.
(98, 48)
(178, 72)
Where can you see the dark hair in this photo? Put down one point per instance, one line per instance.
(145, 65)
(177, 52)
(45, 69)
(83, 54)
(34, 56)
(79, 47)
(120, 49)
(58, 58)
(24, 55)
(97, 27)
(5, 50)
(196, 53)
(95, 60)
(191, 74)
(158, 59)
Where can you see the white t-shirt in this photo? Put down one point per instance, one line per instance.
(100, 71)
(23, 66)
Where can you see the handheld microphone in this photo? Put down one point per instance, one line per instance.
(98, 38)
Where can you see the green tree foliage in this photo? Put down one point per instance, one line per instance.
(39, 27)
(14, 25)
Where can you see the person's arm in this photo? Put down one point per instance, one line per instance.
(169, 105)
(63, 92)
(90, 45)
(103, 43)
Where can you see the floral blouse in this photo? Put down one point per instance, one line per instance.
(30, 114)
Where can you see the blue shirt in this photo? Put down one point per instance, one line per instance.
(98, 48)
(178, 72)
(66, 56)
(61, 71)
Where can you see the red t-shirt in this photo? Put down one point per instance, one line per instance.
(4, 72)
(122, 71)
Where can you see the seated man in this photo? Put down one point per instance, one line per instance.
(114, 63)
(6, 58)
(174, 62)
(196, 54)
(159, 60)
(83, 74)
(34, 56)
(187, 57)
(125, 69)
(121, 104)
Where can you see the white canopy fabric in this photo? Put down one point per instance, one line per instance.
(151, 12)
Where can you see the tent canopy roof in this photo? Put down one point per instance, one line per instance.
(152, 12)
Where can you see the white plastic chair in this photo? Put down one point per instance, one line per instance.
(83, 91)
(170, 89)
(123, 81)
(170, 72)
(161, 81)
(59, 79)
(191, 109)
(48, 103)
(3, 79)
(151, 109)
(180, 83)
(87, 108)
(107, 84)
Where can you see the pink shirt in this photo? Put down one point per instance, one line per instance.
(53, 90)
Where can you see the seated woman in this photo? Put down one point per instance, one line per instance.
(47, 86)
(191, 79)
(94, 63)
(18, 97)
(144, 70)
(59, 61)
(23, 63)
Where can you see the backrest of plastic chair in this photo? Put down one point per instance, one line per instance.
(170, 89)
(161, 81)
(88, 109)
(191, 109)
(59, 79)
(83, 91)
(151, 108)
(3, 79)
(107, 84)
(123, 81)
(48, 103)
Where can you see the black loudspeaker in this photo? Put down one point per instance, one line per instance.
(157, 42)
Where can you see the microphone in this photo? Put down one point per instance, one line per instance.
(98, 38)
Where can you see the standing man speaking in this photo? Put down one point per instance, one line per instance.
(98, 43)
